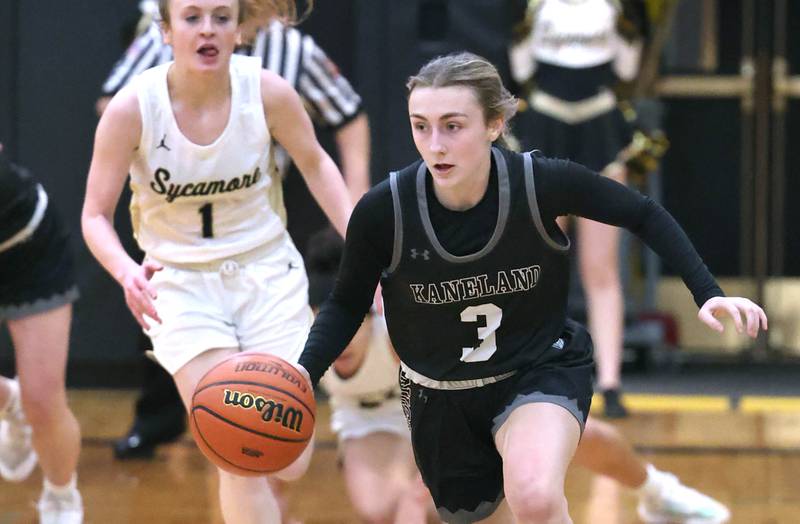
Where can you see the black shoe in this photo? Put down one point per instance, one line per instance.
(141, 444)
(612, 406)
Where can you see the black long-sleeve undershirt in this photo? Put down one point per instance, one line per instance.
(562, 188)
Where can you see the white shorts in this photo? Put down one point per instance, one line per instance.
(350, 421)
(254, 306)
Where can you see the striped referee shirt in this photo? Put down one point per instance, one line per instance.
(328, 96)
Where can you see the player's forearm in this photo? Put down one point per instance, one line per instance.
(331, 333)
(104, 244)
(353, 142)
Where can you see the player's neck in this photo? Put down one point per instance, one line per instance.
(467, 192)
(198, 89)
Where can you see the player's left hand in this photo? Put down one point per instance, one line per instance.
(735, 307)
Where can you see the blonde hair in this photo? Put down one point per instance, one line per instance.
(284, 10)
(477, 73)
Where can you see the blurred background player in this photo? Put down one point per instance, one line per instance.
(571, 57)
(37, 288)
(334, 107)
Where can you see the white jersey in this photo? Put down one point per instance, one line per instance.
(201, 203)
(575, 34)
(375, 381)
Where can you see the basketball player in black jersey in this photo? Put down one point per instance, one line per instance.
(474, 275)
(37, 288)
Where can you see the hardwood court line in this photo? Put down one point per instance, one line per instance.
(759, 404)
(716, 450)
(671, 403)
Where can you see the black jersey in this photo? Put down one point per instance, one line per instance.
(481, 314)
(18, 197)
(381, 241)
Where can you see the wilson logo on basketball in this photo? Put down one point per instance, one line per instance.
(270, 410)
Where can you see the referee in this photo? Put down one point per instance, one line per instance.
(332, 104)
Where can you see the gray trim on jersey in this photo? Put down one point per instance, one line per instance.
(30, 228)
(504, 190)
(533, 204)
(41, 305)
(462, 516)
(570, 404)
(397, 246)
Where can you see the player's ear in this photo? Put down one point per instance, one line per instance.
(166, 33)
(495, 128)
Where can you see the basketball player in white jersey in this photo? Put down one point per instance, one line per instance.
(221, 274)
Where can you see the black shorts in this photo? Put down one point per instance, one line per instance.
(594, 143)
(36, 275)
(452, 431)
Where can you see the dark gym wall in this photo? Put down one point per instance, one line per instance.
(8, 59)
(396, 38)
(53, 57)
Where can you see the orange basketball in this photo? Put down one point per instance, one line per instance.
(252, 414)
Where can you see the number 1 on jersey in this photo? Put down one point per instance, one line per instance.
(488, 345)
(208, 220)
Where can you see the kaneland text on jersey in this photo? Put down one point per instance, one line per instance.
(501, 283)
(206, 187)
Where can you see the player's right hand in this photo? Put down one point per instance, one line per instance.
(139, 293)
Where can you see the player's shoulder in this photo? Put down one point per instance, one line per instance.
(378, 196)
(124, 106)
(275, 87)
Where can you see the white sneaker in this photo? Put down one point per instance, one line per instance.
(60, 509)
(17, 457)
(674, 503)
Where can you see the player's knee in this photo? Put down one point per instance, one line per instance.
(43, 405)
(239, 483)
(374, 510)
(536, 500)
(298, 468)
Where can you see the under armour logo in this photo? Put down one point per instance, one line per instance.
(426, 255)
(163, 144)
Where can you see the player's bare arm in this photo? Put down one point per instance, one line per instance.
(116, 139)
(290, 125)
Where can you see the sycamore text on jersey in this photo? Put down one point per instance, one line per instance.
(208, 187)
(478, 286)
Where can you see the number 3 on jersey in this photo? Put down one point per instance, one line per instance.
(206, 212)
(486, 334)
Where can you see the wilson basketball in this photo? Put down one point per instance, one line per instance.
(252, 414)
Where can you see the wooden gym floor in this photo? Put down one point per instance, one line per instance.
(748, 458)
